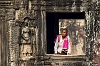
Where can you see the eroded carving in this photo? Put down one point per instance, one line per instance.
(26, 20)
(27, 38)
(26, 48)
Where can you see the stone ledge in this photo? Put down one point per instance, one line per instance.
(65, 57)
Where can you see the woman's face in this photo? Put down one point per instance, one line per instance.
(64, 33)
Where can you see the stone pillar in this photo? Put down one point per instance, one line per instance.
(13, 34)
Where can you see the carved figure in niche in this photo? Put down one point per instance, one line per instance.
(26, 48)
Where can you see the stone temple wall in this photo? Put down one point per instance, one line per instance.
(23, 32)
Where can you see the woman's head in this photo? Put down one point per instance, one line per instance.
(64, 32)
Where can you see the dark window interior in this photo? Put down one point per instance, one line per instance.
(52, 24)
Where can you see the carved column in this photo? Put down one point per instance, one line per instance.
(13, 34)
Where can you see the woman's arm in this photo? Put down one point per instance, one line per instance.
(69, 46)
(56, 45)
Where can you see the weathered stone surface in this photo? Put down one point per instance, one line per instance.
(12, 14)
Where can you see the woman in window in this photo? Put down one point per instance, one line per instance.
(62, 43)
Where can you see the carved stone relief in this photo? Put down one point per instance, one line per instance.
(22, 34)
(13, 43)
(28, 38)
(31, 34)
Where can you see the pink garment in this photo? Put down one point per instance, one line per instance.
(65, 43)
